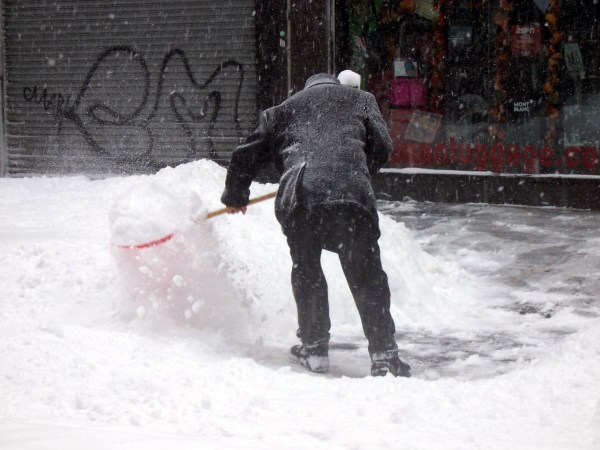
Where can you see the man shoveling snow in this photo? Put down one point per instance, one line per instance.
(326, 141)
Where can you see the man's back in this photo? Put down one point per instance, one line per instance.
(326, 141)
(337, 135)
(325, 118)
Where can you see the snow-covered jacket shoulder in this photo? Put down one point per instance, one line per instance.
(326, 141)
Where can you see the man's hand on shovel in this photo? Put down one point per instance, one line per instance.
(238, 210)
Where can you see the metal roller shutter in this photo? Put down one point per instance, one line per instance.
(104, 86)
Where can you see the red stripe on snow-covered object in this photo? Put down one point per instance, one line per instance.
(154, 243)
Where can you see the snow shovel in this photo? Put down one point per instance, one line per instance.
(210, 215)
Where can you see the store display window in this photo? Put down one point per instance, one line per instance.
(500, 86)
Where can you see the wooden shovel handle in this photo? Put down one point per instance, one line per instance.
(227, 209)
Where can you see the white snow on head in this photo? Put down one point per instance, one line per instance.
(349, 78)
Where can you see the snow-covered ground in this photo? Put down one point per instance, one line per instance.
(185, 345)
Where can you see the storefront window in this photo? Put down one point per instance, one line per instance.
(500, 86)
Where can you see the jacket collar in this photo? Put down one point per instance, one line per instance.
(321, 78)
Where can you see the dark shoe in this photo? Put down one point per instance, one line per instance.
(388, 361)
(313, 357)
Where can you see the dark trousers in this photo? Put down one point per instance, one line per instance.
(348, 231)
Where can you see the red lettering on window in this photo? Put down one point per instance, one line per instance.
(440, 154)
(589, 157)
(546, 157)
(479, 157)
(572, 157)
(512, 155)
(426, 155)
(462, 153)
(452, 151)
(496, 156)
(530, 159)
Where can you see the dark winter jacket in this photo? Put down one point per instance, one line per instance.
(326, 141)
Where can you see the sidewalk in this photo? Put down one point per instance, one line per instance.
(541, 263)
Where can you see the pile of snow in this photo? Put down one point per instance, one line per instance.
(244, 263)
(148, 212)
(185, 344)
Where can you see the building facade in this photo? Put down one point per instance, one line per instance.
(501, 86)
(125, 85)
(491, 100)
(486, 100)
